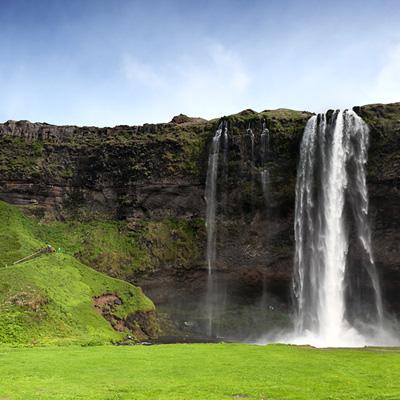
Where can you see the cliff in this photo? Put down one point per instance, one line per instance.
(150, 180)
(384, 191)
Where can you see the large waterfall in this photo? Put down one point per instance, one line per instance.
(338, 302)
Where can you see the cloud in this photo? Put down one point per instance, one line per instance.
(229, 65)
(138, 72)
(212, 82)
(208, 82)
(387, 88)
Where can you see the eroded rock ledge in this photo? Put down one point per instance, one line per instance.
(141, 325)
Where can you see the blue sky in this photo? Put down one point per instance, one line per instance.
(95, 62)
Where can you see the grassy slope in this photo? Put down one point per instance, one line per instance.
(181, 372)
(16, 239)
(50, 299)
(110, 247)
(100, 244)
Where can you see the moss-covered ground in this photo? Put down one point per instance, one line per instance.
(49, 299)
(191, 372)
(114, 248)
(108, 246)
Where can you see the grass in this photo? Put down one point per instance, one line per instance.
(112, 248)
(49, 299)
(104, 245)
(16, 239)
(190, 372)
(108, 246)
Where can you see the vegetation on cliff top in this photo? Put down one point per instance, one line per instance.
(129, 152)
(151, 151)
(384, 154)
(155, 151)
(49, 299)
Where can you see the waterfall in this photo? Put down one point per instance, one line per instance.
(264, 143)
(264, 173)
(211, 197)
(331, 207)
(251, 160)
(250, 133)
(211, 211)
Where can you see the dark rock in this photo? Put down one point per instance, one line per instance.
(154, 171)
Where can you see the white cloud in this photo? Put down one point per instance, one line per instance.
(206, 83)
(212, 82)
(230, 65)
(387, 88)
(140, 73)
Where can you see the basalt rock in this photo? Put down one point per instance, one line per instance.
(153, 171)
(384, 193)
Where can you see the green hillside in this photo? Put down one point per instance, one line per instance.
(50, 299)
(118, 250)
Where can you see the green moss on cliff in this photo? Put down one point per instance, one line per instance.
(121, 250)
(107, 246)
(384, 154)
(120, 155)
(174, 242)
(19, 158)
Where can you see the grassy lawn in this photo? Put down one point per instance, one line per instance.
(209, 371)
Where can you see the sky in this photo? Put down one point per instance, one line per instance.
(111, 62)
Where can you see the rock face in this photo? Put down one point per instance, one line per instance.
(119, 172)
(142, 323)
(384, 192)
(156, 171)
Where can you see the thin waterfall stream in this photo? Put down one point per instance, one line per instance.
(211, 211)
(264, 174)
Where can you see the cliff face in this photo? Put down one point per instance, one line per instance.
(384, 191)
(116, 172)
(153, 172)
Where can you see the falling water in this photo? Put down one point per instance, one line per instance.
(250, 135)
(264, 143)
(252, 139)
(264, 173)
(225, 147)
(331, 180)
(211, 209)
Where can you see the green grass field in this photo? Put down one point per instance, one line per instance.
(190, 372)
